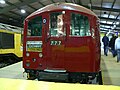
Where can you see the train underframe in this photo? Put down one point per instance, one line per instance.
(10, 56)
(70, 77)
(8, 59)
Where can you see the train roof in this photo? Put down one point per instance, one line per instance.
(9, 28)
(63, 6)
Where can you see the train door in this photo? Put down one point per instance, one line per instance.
(77, 51)
(35, 42)
(55, 41)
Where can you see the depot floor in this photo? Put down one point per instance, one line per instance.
(110, 70)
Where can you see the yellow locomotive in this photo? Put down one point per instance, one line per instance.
(10, 42)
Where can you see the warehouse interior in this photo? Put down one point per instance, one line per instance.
(12, 16)
(14, 12)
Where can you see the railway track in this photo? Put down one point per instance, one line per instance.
(8, 61)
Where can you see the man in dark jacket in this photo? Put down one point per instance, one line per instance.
(112, 45)
(105, 41)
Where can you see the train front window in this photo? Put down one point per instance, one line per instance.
(56, 24)
(79, 25)
(35, 27)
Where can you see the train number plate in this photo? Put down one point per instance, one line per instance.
(54, 42)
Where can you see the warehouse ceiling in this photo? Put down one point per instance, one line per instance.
(107, 10)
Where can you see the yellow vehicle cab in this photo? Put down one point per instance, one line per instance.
(10, 42)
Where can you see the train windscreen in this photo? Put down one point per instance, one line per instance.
(56, 24)
(79, 25)
(35, 27)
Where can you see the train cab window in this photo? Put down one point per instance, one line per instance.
(56, 24)
(35, 26)
(79, 25)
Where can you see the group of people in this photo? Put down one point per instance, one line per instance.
(113, 45)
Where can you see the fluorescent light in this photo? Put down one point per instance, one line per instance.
(117, 23)
(114, 26)
(103, 21)
(2, 1)
(107, 26)
(23, 11)
(112, 16)
(109, 22)
(105, 29)
(105, 15)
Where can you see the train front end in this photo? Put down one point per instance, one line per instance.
(61, 43)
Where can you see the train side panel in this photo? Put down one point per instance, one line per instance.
(11, 44)
(18, 45)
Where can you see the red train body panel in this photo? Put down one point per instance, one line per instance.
(67, 42)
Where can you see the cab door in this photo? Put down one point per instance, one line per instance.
(56, 41)
(34, 42)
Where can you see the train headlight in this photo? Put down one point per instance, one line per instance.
(27, 54)
(27, 64)
(40, 55)
(34, 59)
(63, 12)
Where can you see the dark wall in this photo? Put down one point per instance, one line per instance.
(6, 40)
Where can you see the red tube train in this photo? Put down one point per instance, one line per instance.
(62, 43)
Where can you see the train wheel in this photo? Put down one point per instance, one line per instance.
(30, 76)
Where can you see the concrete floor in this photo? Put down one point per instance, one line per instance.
(14, 71)
(110, 71)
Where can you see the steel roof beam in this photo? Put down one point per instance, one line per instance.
(66, 1)
(111, 8)
(108, 18)
(9, 17)
(102, 8)
(31, 7)
(41, 3)
(18, 4)
(79, 2)
(116, 19)
(15, 6)
(28, 5)
(109, 28)
(11, 22)
(73, 1)
(109, 24)
(91, 4)
(52, 1)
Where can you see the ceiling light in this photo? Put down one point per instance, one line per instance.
(117, 23)
(109, 22)
(105, 15)
(2, 1)
(103, 21)
(23, 11)
(107, 26)
(114, 26)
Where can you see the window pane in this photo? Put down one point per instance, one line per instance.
(79, 25)
(56, 24)
(35, 27)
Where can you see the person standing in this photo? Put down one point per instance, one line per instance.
(117, 47)
(112, 45)
(105, 41)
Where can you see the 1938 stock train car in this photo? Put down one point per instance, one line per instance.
(62, 42)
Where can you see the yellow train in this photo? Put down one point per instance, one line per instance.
(10, 42)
